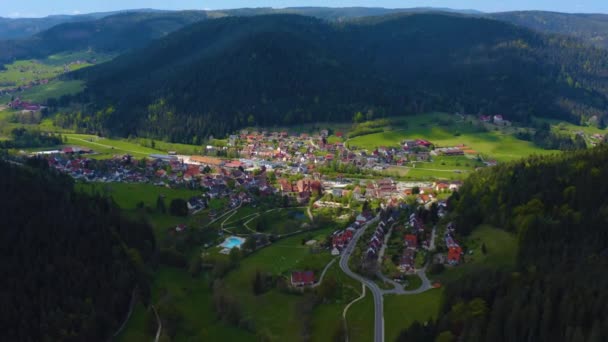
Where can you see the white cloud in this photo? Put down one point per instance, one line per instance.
(76, 12)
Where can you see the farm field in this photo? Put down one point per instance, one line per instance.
(501, 249)
(438, 129)
(401, 311)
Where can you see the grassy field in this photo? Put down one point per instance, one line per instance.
(281, 221)
(41, 93)
(360, 319)
(501, 249)
(192, 299)
(275, 311)
(108, 147)
(127, 196)
(22, 72)
(328, 317)
(444, 131)
(442, 167)
(401, 311)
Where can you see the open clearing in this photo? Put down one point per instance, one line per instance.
(401, 311)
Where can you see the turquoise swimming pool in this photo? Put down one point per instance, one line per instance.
(232, 242)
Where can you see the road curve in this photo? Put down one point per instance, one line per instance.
(376, 292)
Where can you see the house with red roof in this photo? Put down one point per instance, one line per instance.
(302, 278)
(411, 241)
(454, 255)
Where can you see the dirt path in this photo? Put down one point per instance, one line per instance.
(345, 311)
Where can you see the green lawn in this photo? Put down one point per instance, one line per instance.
(401, 311)
(275, 311)
(193, 300)
(494, 144)
(501, 249)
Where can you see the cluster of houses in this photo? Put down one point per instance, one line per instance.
(18, 104)
(411, 244)
(301, 190)
(28, 85)
(497, 119)
(341, 238)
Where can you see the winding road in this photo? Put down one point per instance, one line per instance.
(373, 287)
(376, 292)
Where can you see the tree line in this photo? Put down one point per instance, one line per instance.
(70, 261)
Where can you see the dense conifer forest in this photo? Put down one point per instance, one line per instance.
(557, 207)
(215, 76)
(70, 263)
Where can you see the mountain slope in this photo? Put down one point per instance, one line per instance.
(116, 33)
(222, 74)
(69, 262)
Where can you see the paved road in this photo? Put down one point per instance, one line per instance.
(376, 292)
(433, 236)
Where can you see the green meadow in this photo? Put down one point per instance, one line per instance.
(401, 311)
(445, 131)
(41, 93)
(110, 147)
(192, 300)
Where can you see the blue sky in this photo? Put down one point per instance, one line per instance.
(37, 8)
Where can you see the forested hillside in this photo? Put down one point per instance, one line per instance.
(69, 262)
(591, 28)
(558, 209)
(116, 33)
(215, 76)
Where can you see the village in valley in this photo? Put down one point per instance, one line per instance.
(294, 211)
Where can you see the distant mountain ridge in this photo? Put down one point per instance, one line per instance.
(115, 33)
(16, 28)
(56, 33)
